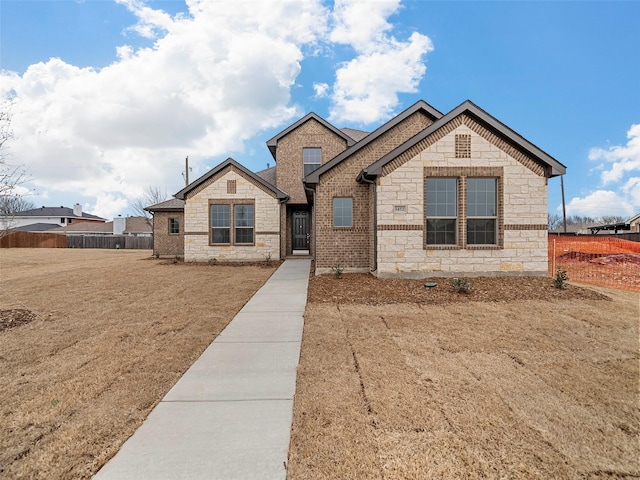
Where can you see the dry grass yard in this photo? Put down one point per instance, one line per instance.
(91, 340)
(517, 380)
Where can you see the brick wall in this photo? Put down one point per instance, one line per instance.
(522, 206)
(290, 171)
(165, 244)
(352, 247)
(197, 224)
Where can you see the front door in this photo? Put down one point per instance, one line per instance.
(300, 230)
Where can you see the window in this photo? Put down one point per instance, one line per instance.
(174, 226)
(481, 211)
(243, 223)
(240, 232)
(220, 224)
(442, 211)
(342, 212)
(311, 159)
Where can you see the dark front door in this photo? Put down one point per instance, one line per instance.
(300, 230)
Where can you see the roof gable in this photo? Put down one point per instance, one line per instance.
(551, 166)
(272, 143)
(420, 105)
(231, 163)
(56, 212)
(171, 205)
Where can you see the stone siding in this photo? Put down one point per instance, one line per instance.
(522, 207)
(197, 246)
(164, 243)
(352, 247)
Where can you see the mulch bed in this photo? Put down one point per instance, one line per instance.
(369, 290)
(15, 317)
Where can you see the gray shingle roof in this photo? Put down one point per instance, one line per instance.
(357, 135)
(268, 175)
(552, 166)
(420, 105)
(36, 227)
(230, 162)
(171, 205)
(56, 212)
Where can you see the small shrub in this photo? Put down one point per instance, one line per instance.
(560, 280)
(337, 270)
(213, 261)
(462, 285)
(267, 257)
(176, 260)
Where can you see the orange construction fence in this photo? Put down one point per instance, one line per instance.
(599, 260)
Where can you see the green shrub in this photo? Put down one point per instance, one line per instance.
(462, 285)
(560, 280)
(337, 270)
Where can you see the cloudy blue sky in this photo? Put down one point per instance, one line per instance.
(110, 96)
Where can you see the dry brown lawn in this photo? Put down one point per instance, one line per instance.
(520, 381)
(107, 334)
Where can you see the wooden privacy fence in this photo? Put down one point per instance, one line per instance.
(56, 240)
(109, 241)
(33, 240)
(596, 259)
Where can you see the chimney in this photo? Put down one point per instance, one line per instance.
(119, 225)
(77, 210)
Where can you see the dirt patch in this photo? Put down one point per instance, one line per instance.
(511, 387)
(369, 290)
(114, 332)
(14, 317)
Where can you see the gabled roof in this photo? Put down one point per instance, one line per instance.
(56, 212)
(230, 162)
(314, 177)
(634, 218)
(272, 143)
(132, 225)
(553, 167)
(36, 227)
(171, 205)
(357, 135)
(268, 175)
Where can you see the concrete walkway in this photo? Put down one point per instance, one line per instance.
(229, 416)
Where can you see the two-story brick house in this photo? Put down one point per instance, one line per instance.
(424, 194)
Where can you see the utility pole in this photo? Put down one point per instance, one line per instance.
(564, 210)
(185, 174)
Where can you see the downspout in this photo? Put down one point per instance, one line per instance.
(312, 192)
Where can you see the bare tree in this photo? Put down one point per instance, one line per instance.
(11, 176)
(555, 221)
(151, 196)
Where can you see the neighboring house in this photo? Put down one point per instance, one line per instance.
(54, 216)
(424, 194)
(129, 226)
(168, 228)
(634, 224)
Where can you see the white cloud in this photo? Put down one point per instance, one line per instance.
(213, 79)
(366, 87)
(599, 203)
(624, 159)
(621, 174)
(321, 89)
